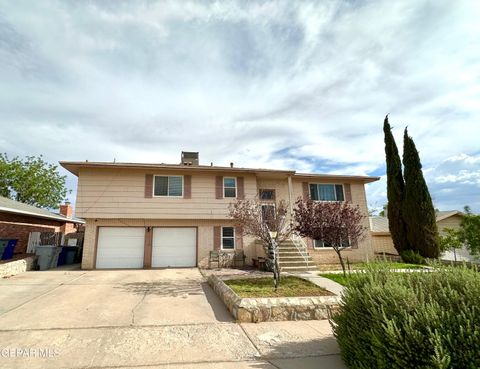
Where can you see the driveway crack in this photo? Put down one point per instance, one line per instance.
(145, 293)
(259, 353)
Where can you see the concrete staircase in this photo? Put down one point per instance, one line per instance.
(291, 260)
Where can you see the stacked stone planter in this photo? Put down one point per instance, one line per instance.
(14, 267)
(255, 310)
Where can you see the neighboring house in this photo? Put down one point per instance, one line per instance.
(382, 241)
(17, 220)
(161, 215)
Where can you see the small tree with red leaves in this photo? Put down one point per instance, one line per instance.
(337, 224)
(258, 219)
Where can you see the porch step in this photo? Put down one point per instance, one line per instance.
(285, 258)
(304, 268)
(288, 248)
(294, 262)
(289, 252)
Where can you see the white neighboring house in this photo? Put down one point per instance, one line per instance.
(382, 241)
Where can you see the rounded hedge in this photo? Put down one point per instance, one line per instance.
(428, 319)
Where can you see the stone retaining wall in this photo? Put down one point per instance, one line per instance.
(17, 266)
(255, 310)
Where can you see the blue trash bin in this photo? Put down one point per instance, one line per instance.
(3, 246)
(71, 254)
(62, 257)
(8, 252)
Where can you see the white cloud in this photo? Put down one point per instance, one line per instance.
(302, 85)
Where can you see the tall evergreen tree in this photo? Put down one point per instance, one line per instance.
(395, 191)
(418, 210)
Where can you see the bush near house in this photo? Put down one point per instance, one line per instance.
(410, 320)
(412, 257)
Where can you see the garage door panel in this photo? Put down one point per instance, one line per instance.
(175, 247)
(120, 247)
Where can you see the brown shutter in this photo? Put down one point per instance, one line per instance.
(305, 191)
(348, 192)
(239, 238)
(187, 187)
(148, 186)
(219, 187)
(240, 188)
(216, 237)
(355, 245)
(309, 243)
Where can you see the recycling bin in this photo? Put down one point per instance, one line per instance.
(9, 248)
(3, 246)
(62, 257)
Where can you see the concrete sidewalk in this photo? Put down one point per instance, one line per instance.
(166, 318)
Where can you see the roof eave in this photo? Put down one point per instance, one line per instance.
(42, 216)
(73, 167)
(445, 216)
(364, 179)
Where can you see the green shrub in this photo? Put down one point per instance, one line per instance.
(412, 257)
(410, 320)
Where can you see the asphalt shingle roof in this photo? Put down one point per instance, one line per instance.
(15, 207)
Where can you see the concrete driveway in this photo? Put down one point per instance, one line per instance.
(131, 318)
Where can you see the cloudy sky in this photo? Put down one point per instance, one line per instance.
(301, 85)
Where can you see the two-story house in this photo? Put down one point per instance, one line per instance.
(171, 215)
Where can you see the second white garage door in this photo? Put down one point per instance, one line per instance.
(174, 247)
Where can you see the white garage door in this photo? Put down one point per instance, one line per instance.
(174, 247)
(120, 247)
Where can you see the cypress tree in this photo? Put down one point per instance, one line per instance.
(418, 210)
(395, 191)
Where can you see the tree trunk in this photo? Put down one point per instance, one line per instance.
(276, 267)
(341, 261)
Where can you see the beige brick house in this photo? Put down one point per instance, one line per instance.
(161, 215)
(383, 244)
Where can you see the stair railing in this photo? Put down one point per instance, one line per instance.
(301, 246)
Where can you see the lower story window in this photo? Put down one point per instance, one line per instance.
(268, 212)
(319, 244)
(228, 238)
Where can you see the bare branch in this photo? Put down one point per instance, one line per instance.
(339, 224)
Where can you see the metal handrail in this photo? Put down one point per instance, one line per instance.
(301, 246)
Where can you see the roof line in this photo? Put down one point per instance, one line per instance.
(449, 214)
(72, 167)
(45, 216)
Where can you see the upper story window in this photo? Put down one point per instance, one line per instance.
(168, 186)
(267, 194)
(326, 192)
(228, 238)
(229, 187)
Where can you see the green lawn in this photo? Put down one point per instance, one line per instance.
(336, 277)
(263, 287)
(388, 264)
(343, 280)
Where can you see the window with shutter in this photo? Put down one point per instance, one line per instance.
(228, 238)
(168, 186)
(326, 192)
(229, 187)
